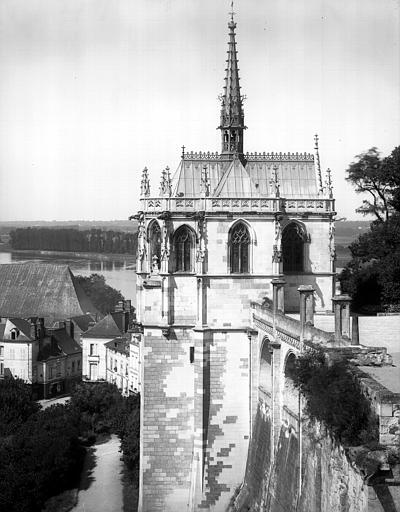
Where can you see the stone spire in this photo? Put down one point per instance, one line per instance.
(232, 117)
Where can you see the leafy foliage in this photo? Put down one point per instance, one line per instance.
(16, 405)
(334, 397)
(40, 450)
(103, 296)
(128, 429)
(95, 406)
(373, 274)
(370, 176)
(42, 458)
(70, 239)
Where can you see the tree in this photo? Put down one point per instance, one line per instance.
(103, 296)
(16, 405)
(391, 165)
(369, 175)
(41, 459)
(372, 276)
(334, 397)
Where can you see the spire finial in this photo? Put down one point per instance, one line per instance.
(328, 183)
(232, 13)
(205, 182)
(166, 184)
(275, 182)
(320, 186)
(145, 184)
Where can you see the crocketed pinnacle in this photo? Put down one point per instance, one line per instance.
(232, 117)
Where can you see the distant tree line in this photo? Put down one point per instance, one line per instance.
(42, 451)
(70, 239)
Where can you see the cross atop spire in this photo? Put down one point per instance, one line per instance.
(231, 11)
(232, 117)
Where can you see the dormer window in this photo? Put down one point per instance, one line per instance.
(14, 334)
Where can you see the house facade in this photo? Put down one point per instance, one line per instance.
(117, 364)
(47, 358)
(94, 340)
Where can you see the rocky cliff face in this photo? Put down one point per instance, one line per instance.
(327, 482)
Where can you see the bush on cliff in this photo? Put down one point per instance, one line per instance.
(334, 397)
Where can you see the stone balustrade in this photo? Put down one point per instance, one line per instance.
(245, 204)
(274, 157)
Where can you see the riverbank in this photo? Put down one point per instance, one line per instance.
(72, 254)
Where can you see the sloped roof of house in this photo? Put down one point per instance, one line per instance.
(43, 290)
(22, 325)
(83, 321)
(56, 343)
(105, 328)
(67, 344)
(120, 345)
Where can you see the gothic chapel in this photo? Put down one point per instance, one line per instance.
(210, 242)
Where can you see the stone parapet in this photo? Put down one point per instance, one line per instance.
(217, 205)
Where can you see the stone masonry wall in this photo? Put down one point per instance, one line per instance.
(226, 418)
(167, 420)
(228, 300)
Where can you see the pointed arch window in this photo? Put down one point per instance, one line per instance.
(293, 248)
(183, 246)
(155, 243)
(239, 243)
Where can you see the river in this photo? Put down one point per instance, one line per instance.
(118, 270)
(100, 489)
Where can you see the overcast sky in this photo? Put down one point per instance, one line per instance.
(91, 91)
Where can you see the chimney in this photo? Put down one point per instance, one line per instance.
(40, 328)
(306, 292)
(341, 308)
(33, 332)
(120, 306)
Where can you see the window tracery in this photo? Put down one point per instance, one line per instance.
(239, 242)
(183, 245)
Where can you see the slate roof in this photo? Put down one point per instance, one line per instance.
(57, 343)
(67, 344)
(22, 325)
(83, 321)
(42, 290)
(230, 179)
(105, 328)
(120, 345)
